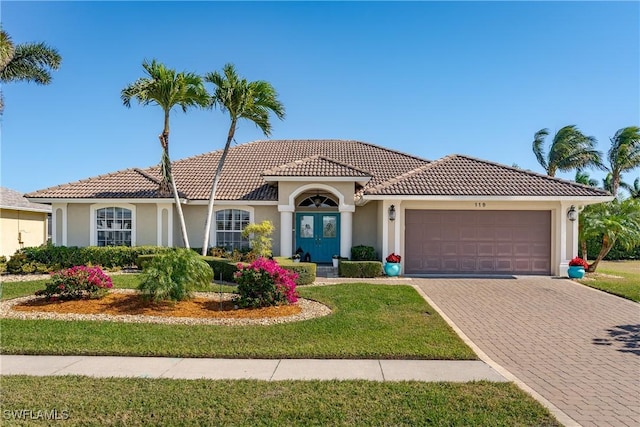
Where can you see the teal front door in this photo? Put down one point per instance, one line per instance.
(318, 234)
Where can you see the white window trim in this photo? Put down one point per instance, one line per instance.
(54, 224)
(159, 231)
(213, 235)
(93, 236)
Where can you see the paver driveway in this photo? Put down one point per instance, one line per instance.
(577, 347)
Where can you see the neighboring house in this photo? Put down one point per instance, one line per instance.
(22, 223)
(454, 215)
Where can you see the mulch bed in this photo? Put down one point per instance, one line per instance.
(134, 304)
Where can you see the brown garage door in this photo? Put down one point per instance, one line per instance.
(478, 242)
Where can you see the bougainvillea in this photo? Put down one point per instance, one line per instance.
(264, 283)
(578, 262)
(79, 282)
(394, 258)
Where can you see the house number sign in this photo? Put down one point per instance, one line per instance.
(481, 205)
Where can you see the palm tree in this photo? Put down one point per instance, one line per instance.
(31, 62)
(624, 154)
(164, 87)
(569, 150)
(634, 190)
(614, 222)
(584, 179)
(253, 101)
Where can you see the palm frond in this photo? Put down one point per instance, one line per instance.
(538, 147)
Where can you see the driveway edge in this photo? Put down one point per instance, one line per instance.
(562, 417)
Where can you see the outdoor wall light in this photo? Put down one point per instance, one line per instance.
(392, 213)
(572, 213)
(317, 200)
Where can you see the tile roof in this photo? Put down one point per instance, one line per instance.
(242, 177)
(11, 199)
(392, 173)
(458, 175)
(317, 166)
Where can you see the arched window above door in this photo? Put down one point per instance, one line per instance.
(318, 201)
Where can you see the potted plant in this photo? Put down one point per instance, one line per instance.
(392, 267)
(335, 259)
(577, 268)
(295, 257)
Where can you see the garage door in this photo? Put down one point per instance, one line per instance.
(477, 242)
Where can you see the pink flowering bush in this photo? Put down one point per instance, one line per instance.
(79, 282)
(264, 283)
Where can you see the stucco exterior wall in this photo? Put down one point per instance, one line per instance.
(21, 229)
(78, 224)
(146, 224)
(366, 230)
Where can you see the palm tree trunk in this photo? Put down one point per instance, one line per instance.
(607, 244)
(166, 165)
(214, 187)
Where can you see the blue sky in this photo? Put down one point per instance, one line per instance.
(427, 78)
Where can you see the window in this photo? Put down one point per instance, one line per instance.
(229, 226)
(113, 226)
(318, 201)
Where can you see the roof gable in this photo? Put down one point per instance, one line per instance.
(459, 175)
(317, 165)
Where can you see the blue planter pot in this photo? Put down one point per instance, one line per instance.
(576, 272)
(392, 269)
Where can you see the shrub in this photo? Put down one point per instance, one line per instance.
(173, 275)
(259, 237)
(363, 253)
(79, 282)
(306, 271)
(264, 283)
(223, 267)
(360, 269)
(3, 264)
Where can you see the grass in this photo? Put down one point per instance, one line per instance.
(368, 321)
(625, 281)
(141, 402)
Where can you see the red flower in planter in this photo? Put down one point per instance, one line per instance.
(394, 258)
(578, 262)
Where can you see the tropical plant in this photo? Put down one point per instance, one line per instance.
(30, 62)
(583, 178)
(79, 282)
(259, 236)
(173, 275)
(624, 155)
(164, 87)
(241, 99)
(264, 283)
(615, 222)
(634, 190)
(570, 149)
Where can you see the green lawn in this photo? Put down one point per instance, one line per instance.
(141, 402)
(626, 284)
(368, 321)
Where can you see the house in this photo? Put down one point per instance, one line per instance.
(22, 223)
(457, 214)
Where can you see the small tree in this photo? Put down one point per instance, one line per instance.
(259, 236)
(613, 222)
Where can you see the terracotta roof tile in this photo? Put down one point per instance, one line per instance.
(316, 166)
(458, 175)
(391, 172)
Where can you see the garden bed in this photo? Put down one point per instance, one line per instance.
(129, 306)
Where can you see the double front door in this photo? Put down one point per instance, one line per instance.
(318, 234)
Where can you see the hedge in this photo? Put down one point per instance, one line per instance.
(222, 268)
(52, 258)
(616, 253)
(363, 253)
(359, 268)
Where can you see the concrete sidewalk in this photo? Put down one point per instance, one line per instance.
(258, 369)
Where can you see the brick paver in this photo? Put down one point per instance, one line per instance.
(577, 347)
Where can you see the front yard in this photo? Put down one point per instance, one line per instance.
(368, 321)
(620, 278)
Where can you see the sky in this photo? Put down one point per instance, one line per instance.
(426, 78)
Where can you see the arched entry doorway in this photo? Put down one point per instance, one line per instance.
(317, 228)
